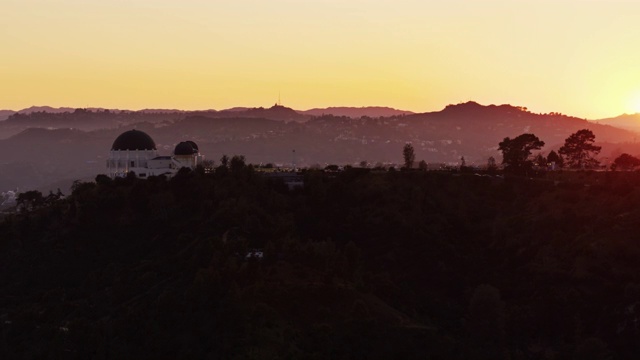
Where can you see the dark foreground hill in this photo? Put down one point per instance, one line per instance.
(356, 266)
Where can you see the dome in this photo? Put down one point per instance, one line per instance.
(186, 148)
(134, 140)
(194, 145)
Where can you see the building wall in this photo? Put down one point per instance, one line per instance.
(121, 162)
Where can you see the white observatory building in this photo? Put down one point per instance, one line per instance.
(135, 151)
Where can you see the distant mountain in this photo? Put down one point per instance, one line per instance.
(624, 121)
(47, 109)
(40, 156)
(82, 119)
(276, 112)
(356, 112)
(160, 111)
(474, 124)
(4, 114)
(237, 108)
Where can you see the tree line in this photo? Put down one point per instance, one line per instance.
(578, 152)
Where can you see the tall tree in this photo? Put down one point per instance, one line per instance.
(224, 160)
(491, 164)
(516, 152)
(579, 151)
(555, 159)
(409, 155)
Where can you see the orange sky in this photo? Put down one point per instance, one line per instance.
(578, 57)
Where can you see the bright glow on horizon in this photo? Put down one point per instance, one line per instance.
(578, 57)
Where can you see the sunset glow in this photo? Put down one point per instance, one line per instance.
(578, 57)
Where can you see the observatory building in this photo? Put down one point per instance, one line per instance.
(135, 151)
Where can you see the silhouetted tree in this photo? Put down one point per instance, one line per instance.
(554, 158)
(30, 200)
(626, 162)
(422, 165)
(208, 164)
(540, 161)
(409, 155)
(224, 160)
(579, 151)
(491, 164)
(516, 152)
(237, 162)
(103, 180)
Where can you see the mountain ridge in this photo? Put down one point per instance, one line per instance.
(268, 135)
(624, 121)
(356, 112)
(348, 111)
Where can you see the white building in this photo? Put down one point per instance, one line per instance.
(135, 151)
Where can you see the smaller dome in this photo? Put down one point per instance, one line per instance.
(185, 148)
(134, 140)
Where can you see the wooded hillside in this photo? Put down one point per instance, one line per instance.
(357, 265)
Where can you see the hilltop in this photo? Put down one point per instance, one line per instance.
(356, 112)
(625, 121)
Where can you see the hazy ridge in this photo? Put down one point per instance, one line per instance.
(39, 149)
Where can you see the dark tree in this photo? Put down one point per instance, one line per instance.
(491, 164)
(422, 165)
(30, 200)
(237, 162)
(516, 152)
(554, 158)
(579, 151)
(626, 162)
(540, 161)
(208, 164)
(409, 155)
(224, 160)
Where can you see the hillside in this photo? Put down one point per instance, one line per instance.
(625, 121)
(399, 265)
(4, 114)
(271, 136)
(97, 119)
(356, 112)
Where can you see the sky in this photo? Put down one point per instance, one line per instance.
(577, 57)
